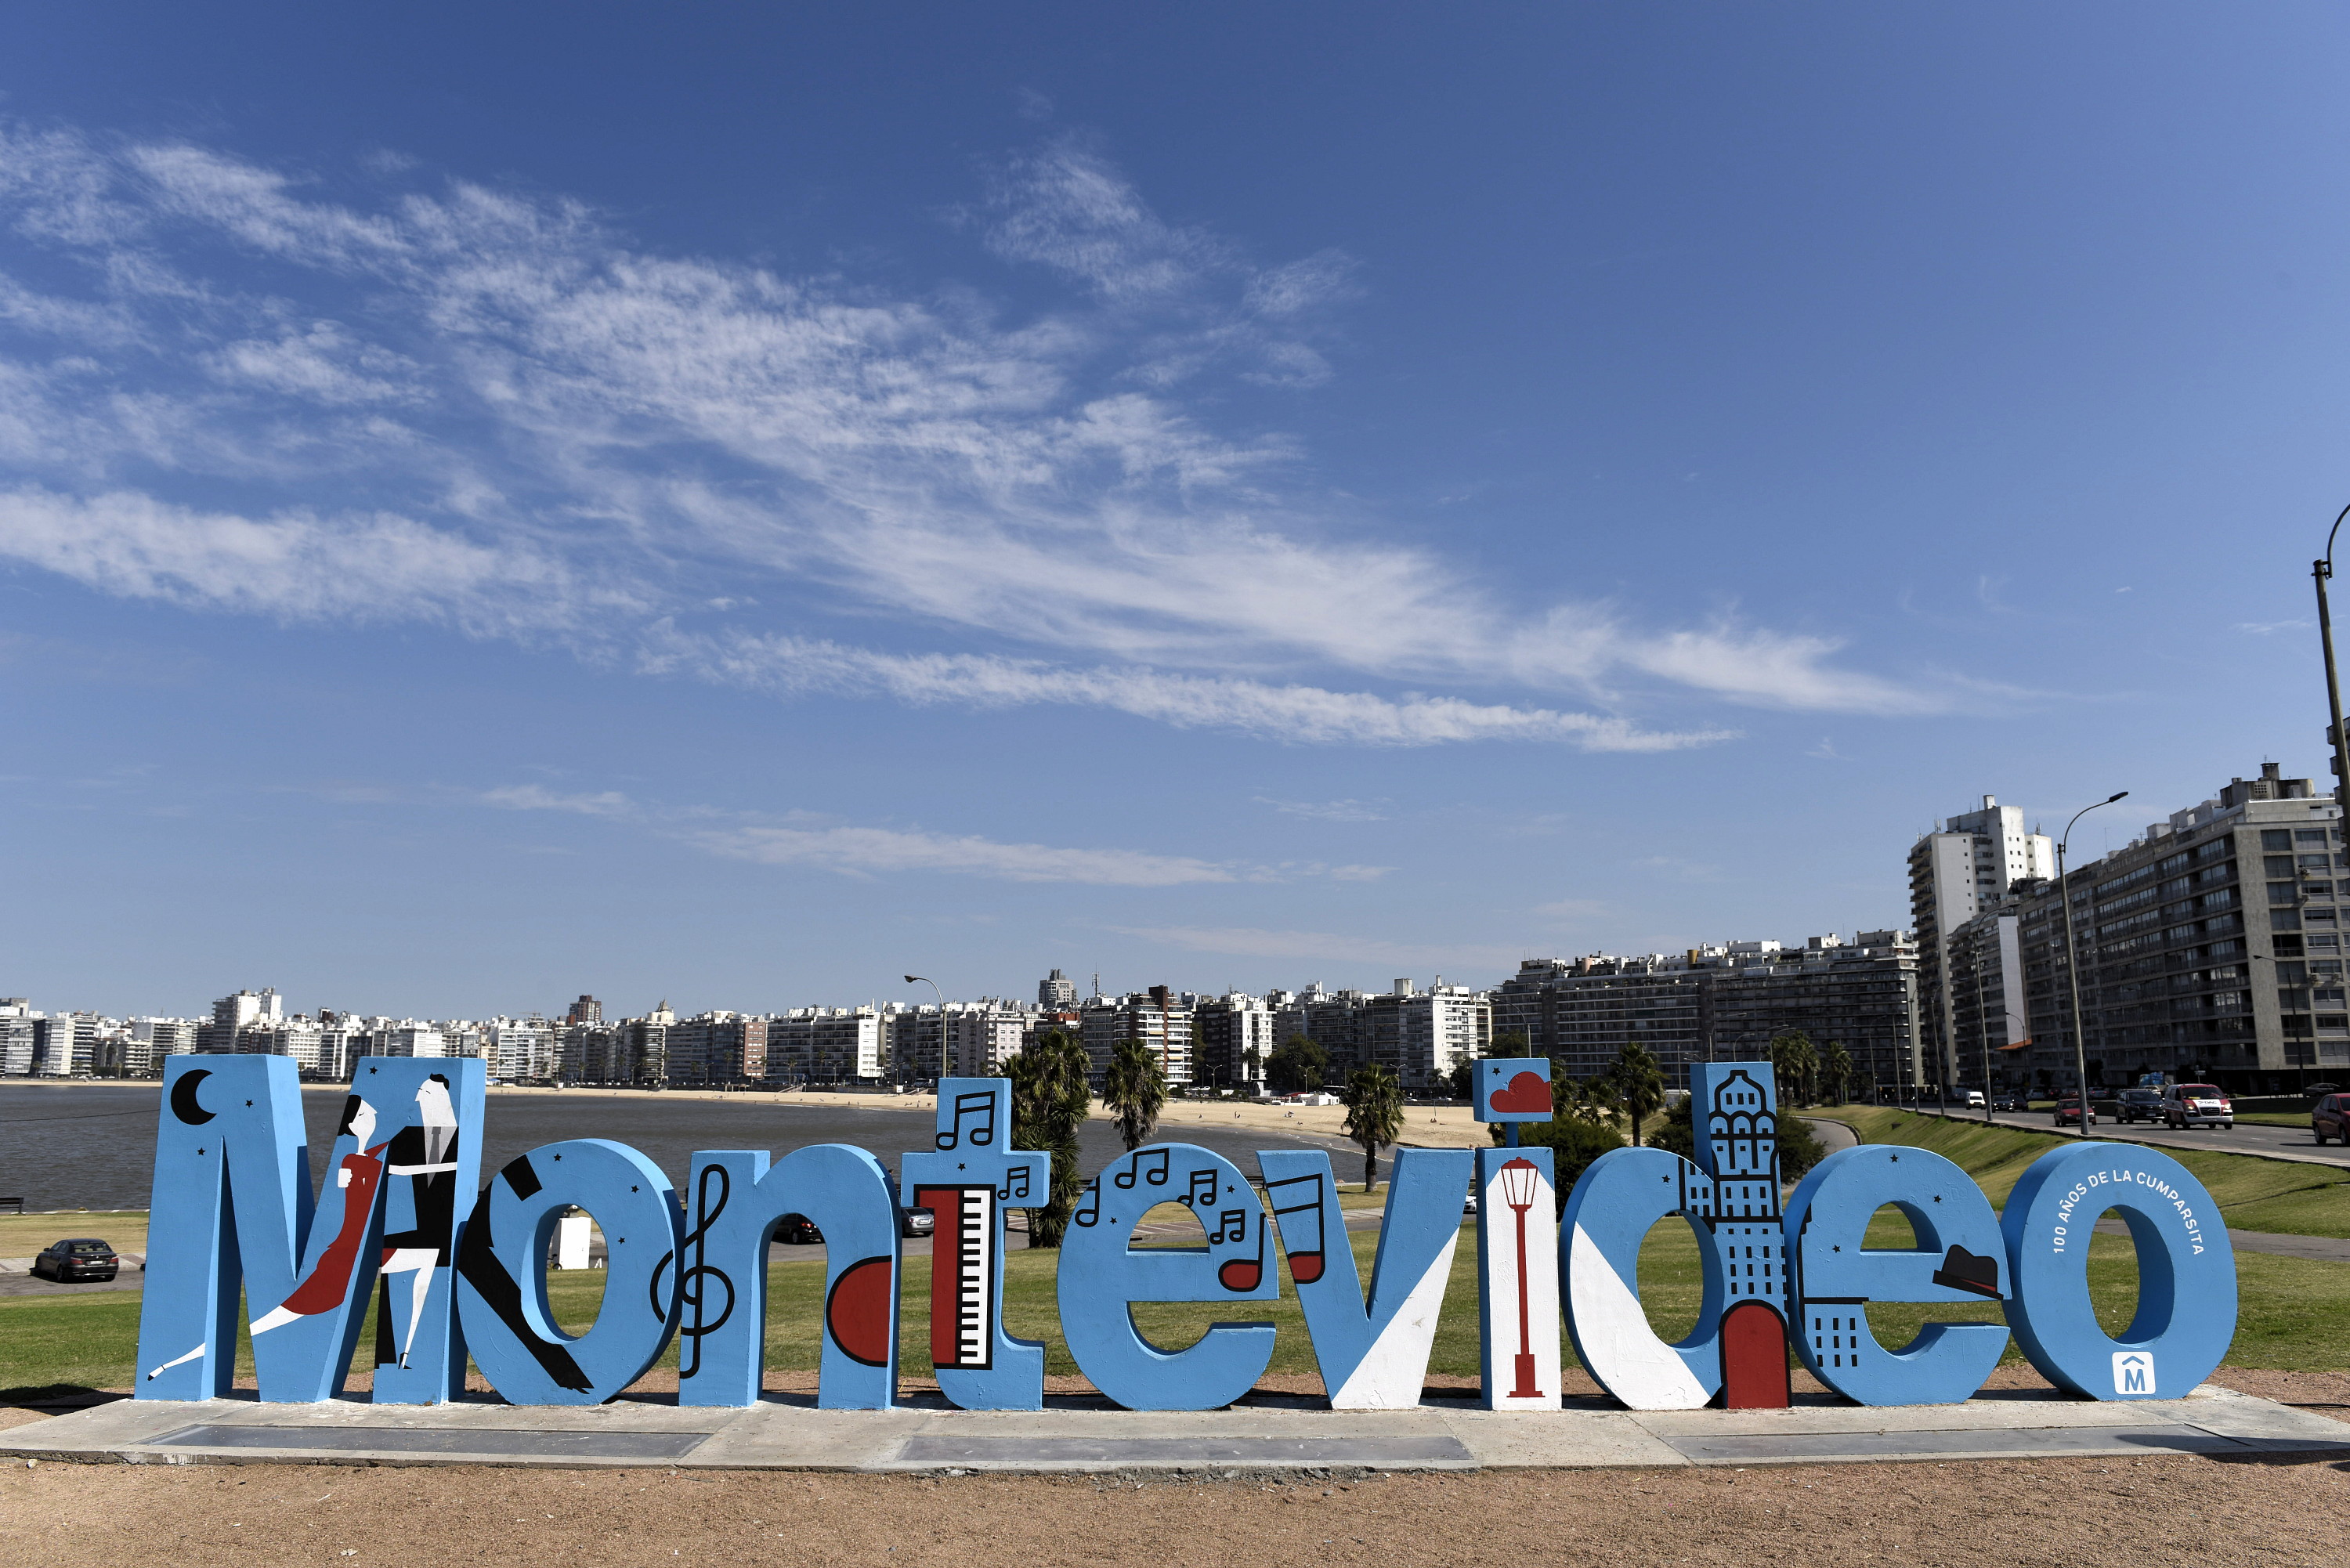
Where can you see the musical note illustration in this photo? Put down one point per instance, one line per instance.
(1201, 1194)
(1015, 1186)
(1305, 1262)
(1243, 1273)
(977, 1106)
(1232, 1225)
(1150, 1164)
(696, 1320)
(1088, 1211)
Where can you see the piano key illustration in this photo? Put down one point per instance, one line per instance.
(963, 1273)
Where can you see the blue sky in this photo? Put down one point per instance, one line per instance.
(732, 504)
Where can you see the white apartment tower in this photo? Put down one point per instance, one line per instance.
(1958, 873)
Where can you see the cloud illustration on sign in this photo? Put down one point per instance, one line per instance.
(1526, 1094)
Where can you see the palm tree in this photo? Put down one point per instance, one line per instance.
(1050, 1097)
(1639, 1085)
(1135, 1087)
(1374, 1115)
(1593, 1100)
(1835, 1071)
(1795, 1064)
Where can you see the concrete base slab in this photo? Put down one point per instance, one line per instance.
(1084, 1435)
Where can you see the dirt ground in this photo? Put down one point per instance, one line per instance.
(2281, 1509)
(2054, 1511)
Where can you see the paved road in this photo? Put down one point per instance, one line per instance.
(1833, 1135)
(2245, 1138)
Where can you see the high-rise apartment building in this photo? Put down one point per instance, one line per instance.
(812, 1046)
(519, 1050)
(2209, 947)
(1057, 993)
(1331, 1019)
(151, 1039)
(587, 1009)
(1160, 1017)
(1723, 1003)
(1232, 1036)
(1957, 873)
(716, 1048)
(63, 1044)
(1421, 1035)
(16, 1033)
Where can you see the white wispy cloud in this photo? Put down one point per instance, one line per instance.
(536, 797)
(557, 433)
(871, 851)
(868, 851)
(1328, 810)
(1294, 712)
(1250, 941)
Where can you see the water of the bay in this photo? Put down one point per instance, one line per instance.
(92, 1146)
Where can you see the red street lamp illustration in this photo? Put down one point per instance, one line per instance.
(1520, 1182)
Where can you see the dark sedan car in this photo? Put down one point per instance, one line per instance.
(2140, 1105)
(2330, 1118)
(75, 1259)
(799, 1231)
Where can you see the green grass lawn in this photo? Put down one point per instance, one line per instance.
(2295, 1314)
(2252, 1194)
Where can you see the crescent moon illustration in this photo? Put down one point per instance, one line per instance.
(184, 1097)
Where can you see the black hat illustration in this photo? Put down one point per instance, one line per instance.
(1963, 1271)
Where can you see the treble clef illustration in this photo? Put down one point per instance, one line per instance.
(696, 1320)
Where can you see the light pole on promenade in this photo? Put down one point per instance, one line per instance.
(2322, 569)
(926, 980)
(2073, 965)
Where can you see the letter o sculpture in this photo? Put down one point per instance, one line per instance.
(502, 1273)
(2186, 1268)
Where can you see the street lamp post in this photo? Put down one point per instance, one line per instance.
(1982, 1028)
(1519, 1190)
(926, 980)
(2073, 965)
(2322, 569)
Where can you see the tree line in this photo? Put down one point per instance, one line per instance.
(1052, 1096)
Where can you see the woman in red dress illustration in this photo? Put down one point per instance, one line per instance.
(329, 1281)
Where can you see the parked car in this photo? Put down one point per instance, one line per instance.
(799, 1231)
(75, 1259)
(2068, 1109)
(2139, 1106)
(2197, 1105)
(2330, 1118)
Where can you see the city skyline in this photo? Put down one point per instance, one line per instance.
(752, 506)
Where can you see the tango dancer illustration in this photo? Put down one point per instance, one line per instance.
(427, 1155)
(329, 1281)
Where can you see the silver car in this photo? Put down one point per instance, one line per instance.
(2197, 1105)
